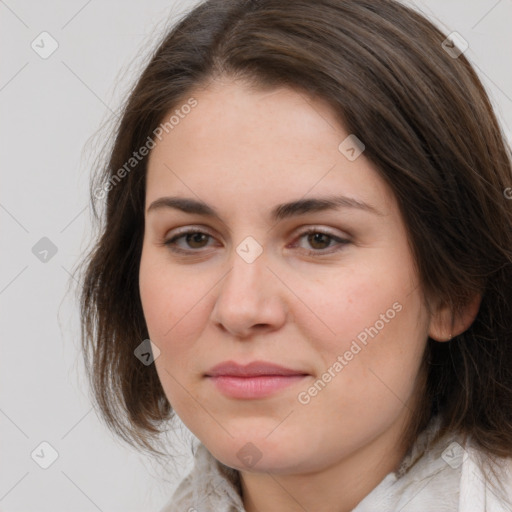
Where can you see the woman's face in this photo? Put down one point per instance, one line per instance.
(341, 308)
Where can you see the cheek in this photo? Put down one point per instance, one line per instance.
(377, 324)
(175, 305)
(370, 366)
(350, 304)
(166, 295)
(171, 308)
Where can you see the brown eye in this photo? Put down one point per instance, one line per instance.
(321, 243)
(196, 240)
(188, 241)
(319, 240)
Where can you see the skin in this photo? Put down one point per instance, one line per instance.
(243, 152)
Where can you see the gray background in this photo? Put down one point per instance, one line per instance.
(50, 111)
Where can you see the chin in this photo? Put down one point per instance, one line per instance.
(260, 455)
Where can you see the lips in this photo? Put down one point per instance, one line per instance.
(256, 380)
(253, 369)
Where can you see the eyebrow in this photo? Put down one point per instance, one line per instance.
(279, 212)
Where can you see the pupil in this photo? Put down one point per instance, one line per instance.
(196, 238)
(317, 237)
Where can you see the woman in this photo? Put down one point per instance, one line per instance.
(307, 257)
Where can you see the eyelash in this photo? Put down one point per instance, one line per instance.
(171, 243)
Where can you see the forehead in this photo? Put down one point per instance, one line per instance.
(238, 142)
(230, 116)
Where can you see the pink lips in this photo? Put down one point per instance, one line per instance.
(255, 380)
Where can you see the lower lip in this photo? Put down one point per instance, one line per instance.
(254, 387)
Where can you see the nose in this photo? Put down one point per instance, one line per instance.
(250, 299)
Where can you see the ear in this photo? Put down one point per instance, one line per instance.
(445, 324)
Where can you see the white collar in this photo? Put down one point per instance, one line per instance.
(446, 476)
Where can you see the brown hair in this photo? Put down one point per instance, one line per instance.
(427, 125)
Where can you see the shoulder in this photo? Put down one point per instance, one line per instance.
(486, 481)
(446, 474)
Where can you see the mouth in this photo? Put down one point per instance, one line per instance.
(257, 379)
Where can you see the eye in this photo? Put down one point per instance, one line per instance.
(320, 240)
(193, 238)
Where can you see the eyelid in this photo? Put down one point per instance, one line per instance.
(313, 228)
(191, 228)
(340, 240)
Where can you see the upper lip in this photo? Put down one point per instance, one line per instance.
(253, 369)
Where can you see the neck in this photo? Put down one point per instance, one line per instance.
(337, 488)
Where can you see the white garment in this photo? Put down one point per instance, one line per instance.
(440, 477)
